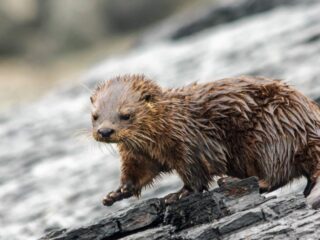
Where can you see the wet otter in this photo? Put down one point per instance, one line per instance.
(241, 127)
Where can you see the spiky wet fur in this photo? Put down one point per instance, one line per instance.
(241, 127)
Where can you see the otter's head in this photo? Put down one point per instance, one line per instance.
(124, 109)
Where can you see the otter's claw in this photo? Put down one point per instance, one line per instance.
(124, 191)
(173, 197)
(111, 198)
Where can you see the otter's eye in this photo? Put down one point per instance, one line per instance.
(147, 98)
(95, 117)
(124, 117)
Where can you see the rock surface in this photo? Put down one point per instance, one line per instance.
(50, 178)
(233, 211)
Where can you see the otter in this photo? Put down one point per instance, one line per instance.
(240, 127)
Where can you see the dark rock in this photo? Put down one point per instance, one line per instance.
(240, 220)
(205, 231)
(299, 221)
(201, 208)
(159, 233)
(195, 209)
(225, 225)
(235, 188)
(100, 230)
(207, 216)
(138, 217)
(286, 206)
(191, 211)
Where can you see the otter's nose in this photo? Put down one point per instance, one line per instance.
(105, 132)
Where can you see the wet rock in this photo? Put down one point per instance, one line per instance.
(198, 209)
(139, 217)
(190, 211)
(206, 216)
(240, 220)
(100, 230)
(158, 233)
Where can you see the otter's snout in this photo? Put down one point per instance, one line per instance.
(105, 132)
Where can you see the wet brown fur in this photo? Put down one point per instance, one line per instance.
(241, 127)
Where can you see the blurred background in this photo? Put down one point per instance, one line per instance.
(45, 42)
(54, 52)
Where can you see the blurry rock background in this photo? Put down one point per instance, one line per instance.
(44, 42)
(52, 174)
(42, 28)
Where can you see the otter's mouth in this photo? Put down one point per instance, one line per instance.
(106, 140)
(99, 138)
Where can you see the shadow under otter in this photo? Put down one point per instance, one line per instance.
(240, 127)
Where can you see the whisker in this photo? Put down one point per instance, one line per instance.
(82, 135)
(86, 87)
(111, 150)
(93, 145)
(81, 132)
(107, 147)
(100, 147)
(114, 151)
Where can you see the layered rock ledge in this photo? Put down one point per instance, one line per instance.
(235, 210)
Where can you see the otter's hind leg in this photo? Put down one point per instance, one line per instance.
(195, 176)
(263, 186)
(309, 187)
(312, 190)
(313, 193)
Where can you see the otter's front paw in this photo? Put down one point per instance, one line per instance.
(124, 191)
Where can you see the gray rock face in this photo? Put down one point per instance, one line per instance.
(207, 216)
(50, 178)
(141, 216)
